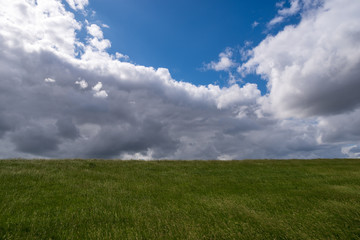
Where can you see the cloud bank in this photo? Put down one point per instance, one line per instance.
(64, 98)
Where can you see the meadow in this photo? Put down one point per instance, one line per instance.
(104, 199)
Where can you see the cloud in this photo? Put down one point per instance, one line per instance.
(99, 44)
(82, 83)
(49, 80)
(97, 87)
(352, 151)
(292, 10)
(312, 68)
(5, 125)
(224, 63)
(95, 31)
(138, 156)
(276, 20)
(283, 12)
(35, 139)
(98, 92)
(123, 126)
(67, 129)
(35, 26)
(280, 4)
(101, 94)
(340, 128)
(77, 4)
(122, 56)
(145, 113)
(296, 7)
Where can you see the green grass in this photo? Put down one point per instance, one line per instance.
(89, 199)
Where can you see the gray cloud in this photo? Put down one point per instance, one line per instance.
(35, 140)
(5, 125)
(67, 129)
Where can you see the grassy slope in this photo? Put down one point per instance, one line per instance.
(180, 200)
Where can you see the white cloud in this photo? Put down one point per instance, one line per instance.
(77, 4)
(276, 20)
(100, 45)
(138, 156)
(283, 13)
(96, 41)
(95, 31)
(82, 83)
(236, 95)
(49, 80)
(37, 26)
(224, 63)
(292, 10)
(98, 92)
(97, 87)
(312, 68)
(121, 56)
(351, 151)
(101, 94)
(225, 157)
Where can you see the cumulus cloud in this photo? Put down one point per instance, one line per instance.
(82, 83)
(146, 114)
(98, 92)
(35, 26)
(97, 87)
(101, 94)
(95, 31)
(312, 68)
(224, 63)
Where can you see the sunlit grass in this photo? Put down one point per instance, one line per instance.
(96, 199)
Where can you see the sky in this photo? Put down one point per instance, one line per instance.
(179, 80)
(182, 36)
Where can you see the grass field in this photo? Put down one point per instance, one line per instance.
(89, 199)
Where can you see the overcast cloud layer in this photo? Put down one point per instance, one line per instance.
(63, 98)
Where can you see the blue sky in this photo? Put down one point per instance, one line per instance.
(184, 35)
